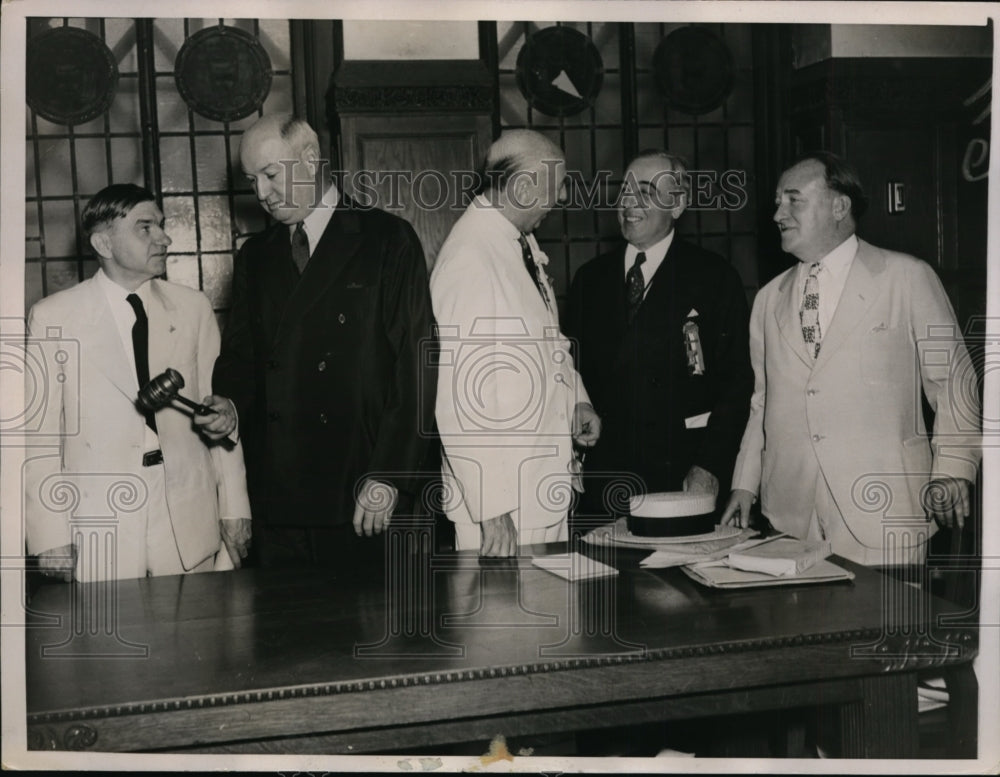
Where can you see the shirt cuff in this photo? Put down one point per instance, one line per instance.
(234, 436)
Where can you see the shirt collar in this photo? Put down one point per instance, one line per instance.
(655, 252)
(840, 258)
(118, 293)
(655, 255)
(482, 205)
(319, 217)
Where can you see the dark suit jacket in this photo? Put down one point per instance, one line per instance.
(637, 374)
(327, 371)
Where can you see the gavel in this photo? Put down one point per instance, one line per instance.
(162, 389)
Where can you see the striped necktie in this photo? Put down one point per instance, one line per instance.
(635, 285)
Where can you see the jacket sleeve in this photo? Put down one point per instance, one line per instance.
(406, 427)
(231, 481)
(733, 382)
(947, 376)
(747, 470)
(477, 387)
(46, 512)
(572, 326)
(234, 374)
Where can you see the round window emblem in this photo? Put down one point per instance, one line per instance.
(223, 73)
(71, 75)
(693, 69)
(559, 71)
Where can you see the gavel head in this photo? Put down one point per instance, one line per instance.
(160, 390)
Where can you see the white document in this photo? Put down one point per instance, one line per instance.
(573, 566)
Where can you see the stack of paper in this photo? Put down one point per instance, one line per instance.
(694, 552)
(718, 574)
(782, 557)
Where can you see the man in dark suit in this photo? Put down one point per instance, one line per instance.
(661, 334)
(322, 357)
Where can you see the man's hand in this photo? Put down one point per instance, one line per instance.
(701, 480)
(373, 507)
(58, 562)
(220, 422)
(946, 500)
(236, 536)
(586, 425)
(737, 512)
(499, 537)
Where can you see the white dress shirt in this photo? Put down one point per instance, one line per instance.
(319, 217)
(655, 255)
(124, 317)
(832, 276)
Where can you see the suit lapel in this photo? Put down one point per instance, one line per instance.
(163, 329)
(662, 287)
(611, 287)
(103, 343)
(786, 314)
(340, 242)
(863, 286)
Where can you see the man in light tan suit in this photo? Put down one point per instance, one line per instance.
(129, 493)
(841, 346)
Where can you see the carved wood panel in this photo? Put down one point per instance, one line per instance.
(420, 167)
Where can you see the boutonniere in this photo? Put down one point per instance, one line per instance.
(542, 261)
(692, 347)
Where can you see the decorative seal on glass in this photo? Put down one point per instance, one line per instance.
(71, 75)
(223, 73)
(693, 69)
(559, 71)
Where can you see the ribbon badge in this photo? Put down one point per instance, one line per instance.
(692, 346)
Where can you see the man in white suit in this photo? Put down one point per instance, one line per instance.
(175, 486)
(509, 402)
(841, 346)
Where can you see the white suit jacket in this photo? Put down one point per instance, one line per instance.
(854, 414)
(97, 433)
(507, 387)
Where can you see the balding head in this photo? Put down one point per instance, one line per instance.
(526, 173)
(276, 151)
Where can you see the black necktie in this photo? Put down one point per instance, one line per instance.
(300, 247)
(635, 285)
(531, 267)
(140, 348)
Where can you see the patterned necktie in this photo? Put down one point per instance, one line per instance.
(532, 268)
(809, 312)
(140, 348)
(635, 285)
(300, 247)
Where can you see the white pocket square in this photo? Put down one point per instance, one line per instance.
(697, 421)
(693, 313)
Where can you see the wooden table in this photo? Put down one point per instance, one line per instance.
(451, 649)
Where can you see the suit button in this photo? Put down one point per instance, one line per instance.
(817, 437)
(341, 318)
(272, 364)
(321, 366)
(274, 415)
(811, 392)
(322, 418)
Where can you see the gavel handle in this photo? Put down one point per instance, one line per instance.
(198, 409)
